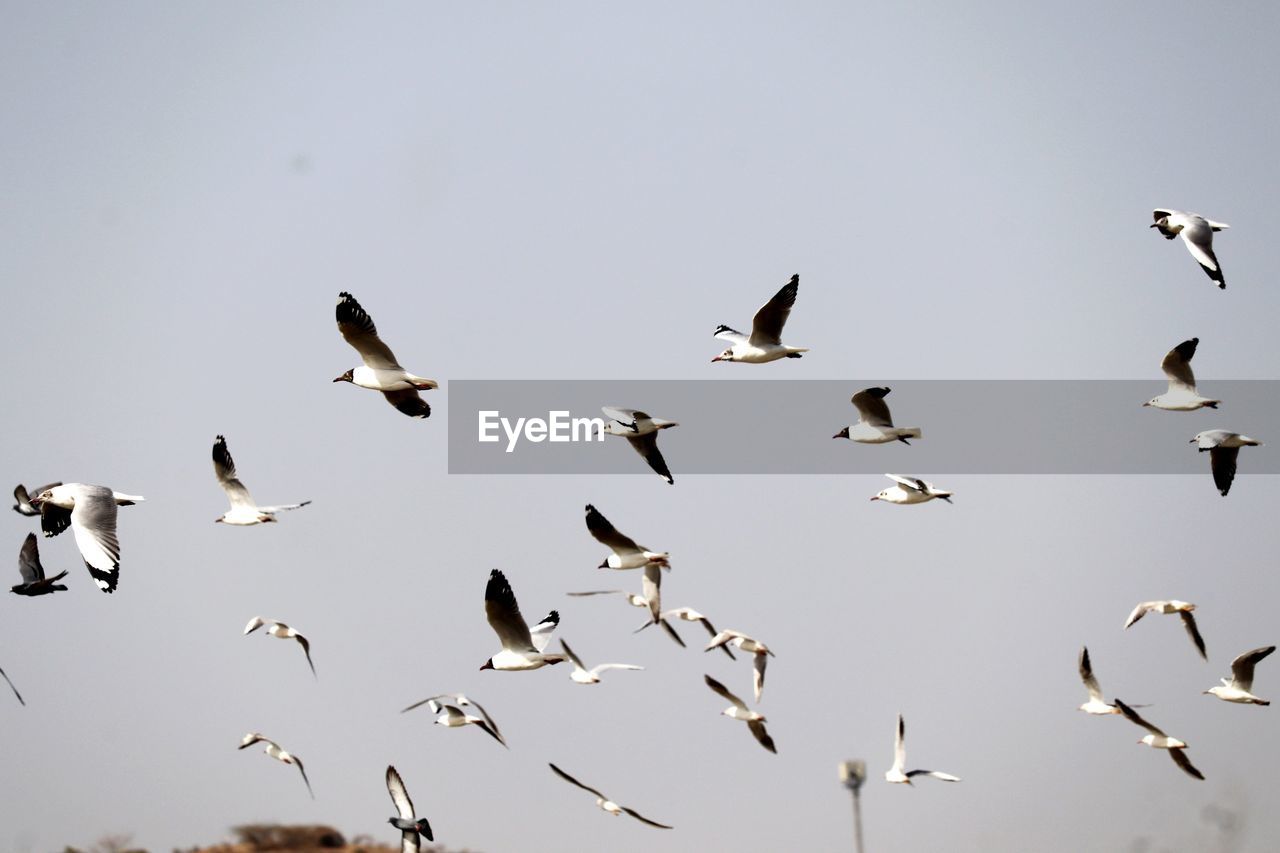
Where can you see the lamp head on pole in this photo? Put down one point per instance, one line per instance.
(853, 774)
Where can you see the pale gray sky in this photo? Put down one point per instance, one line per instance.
(585, 191)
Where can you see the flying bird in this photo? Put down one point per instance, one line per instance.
(1239, 688)
(875, 425)
(1096, 704)
(641, 432)
(636, 600)
(911, 490)
(521, 645)
(33, 580)
(21, 701)
(738, 710)
(687, 614)
(1182, 395)
(273, 749)
(582, 675)
(626, 554)
(898, 773)
(1182, 608)
(757, 649)
(284, 632)
(1159, 740)
(765, 342)
(243, 510)
(90, 512)
(605, 803)
(1223, 446)
(451, 716)
(1197, 233)
(380, 371)
(23, 504)
(410, 827)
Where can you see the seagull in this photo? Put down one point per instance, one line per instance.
(380, 371)
(410, 827)
(521, 645)
(33, 580)
(21, 701)
(1223, 446)
(1182, 608)
(765, 343)
(1197, 233)
(626, 553)
(1159, 740)
(1238, 688)
(23, 505)
(605, 803)
(875, 425)
(637, 601)
(749, 645)
(90, 512)
(738, 711)
(273, 749)
(582, 675)
(284, 632)
(1096, 704)
(243, 510)
(1182, 395)
(451, 715)
(687, 614)
(897, 773)
(641, 431)
(911, 490)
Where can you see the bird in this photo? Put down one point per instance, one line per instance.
(380, 371)
(636, 600)
(1096, 704)
(90, 512)
(243, 510)
(626, 554)
(1197, 233)
(33, 580)
(410, 827)
(757, 649)
(687, 614)
(738, 710)
(1223, 446)
(21, 701)
(582, 675)
(1182, 395)
(273, 749)
(1159, 740)
(911, 490)
(641, 432)
(450, 714)
(605, 803)
(898, 774)
(521, 645)
(284, 632)
(23, 505)
(1240, 686)
(1182, 608)
(765, 342)
(875, 425)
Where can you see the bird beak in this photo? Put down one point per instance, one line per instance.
(487, 665)
(875, 497)
(603, 565)
(340, 379)
(1144, 405)
(837, 435)
(714, 360)
(1152, 225)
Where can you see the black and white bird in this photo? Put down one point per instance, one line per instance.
(1239, 688)
(521, 645)
(911, 490)
(1096, 704)
(1182, 395)
(1223, 446)
(284, 632)
(244, 511)
(90, 512)
(738, 710)
(875, 424)
(759, 651)
(22, 501)
(380, 371)
(1159, 740)
(686, 614)
(765, 341)
(605, 803)
(411, 827)
(33, 580)
(641, 432)
(898, 773)
(626, 554)
(1197, 233)
(637, 600)
(274, 750)
(21, 701)
(582, 675)
(450, 714)
(1182, 608)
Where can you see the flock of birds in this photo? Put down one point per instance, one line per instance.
(90, 511)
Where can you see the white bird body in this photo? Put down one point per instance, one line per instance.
(384, 379)
(738, 710)
(865, 433)
(1223, 447)
(90, 512)
(1096, 704)
(380, 370)
(875, 424)
(582, 675)
(898, 774)
(764, 344)
(1239, 688)
(911, 490)
(521, 645)
(274, 750)
(625, 553)
(282, 631)
(1196, 233)
(244, 511)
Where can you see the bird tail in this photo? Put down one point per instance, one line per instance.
(913, 432)
(1211, 404)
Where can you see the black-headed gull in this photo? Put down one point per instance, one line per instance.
(90, 512)
(22, 501)
(380, 371)
(582, 675)
(1159, 740)
(284, 632)
(1096, 704)
(1182, 395)
(1182, 608)
(605, 803)
(21, 701)
(759, 651)
(898, 773)
(875, 424)
(636, 601)
(458, 701)
(1239, 687)
(641, 432)
(274, 750)
(765, 341)
(410, 826)
(738, 710)
(626, 553)
(33, 580)
(911, 490)
(1223, 446)
(521, 645)
(1197, 233)
(243, 510)
(686, 614)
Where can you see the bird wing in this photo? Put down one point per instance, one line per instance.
(1139, 611)
(306, 650)
(1222, 461)
(725, 692)
(53, 518)
(254, 737)
(598, 592)
(1133, 717)
(488, 729)
(298, 761)
(93, 521)
(541, 633)
(1199, 239)
(599, 668)
(760, 734)
(1179, 757)
(467, 700)
(399, 796)
(1189, 622)
(503, 613)
(651, 584)
(628, 418)
(357, 328)
(410, 842)
(224, 468)
(711, 629)
(671, 631)
(1177, 365)
(766, 326)
(254, 624)
(915, 484)
(283, 507)
(724, 333)
(21, 701)
(29, 560)
(900, 745)
(872, 409)
(607, 535)
(408, 402)
(1242, 667)
(572, 781)
(577, 661)
(937, 774)
(1086, 675)
(758, 669)
(635, 814)
(647, 446)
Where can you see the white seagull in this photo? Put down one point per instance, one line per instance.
(521, 645)
(456, 717)
(21, 701)
(641, 432)
(410, 827)
(380, 371)
(765, 342)
(911, 490)
(1223, 446)
(1159, 740)
(898, 773)
(686, 614)
(284, 632)
(273, 749)
(582, 675)
(626, 553)
(636, 601)
(605, 803)
(738, 711)
(1182, 608)
(1182, 395)
(1096, 704)
(22, 505)
(1197, 233)
(243, 510)
(1240, 686)
(751, 646)
(33, 580)
(875, 425)
(90, 512)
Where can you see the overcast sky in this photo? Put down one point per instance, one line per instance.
(586, 191)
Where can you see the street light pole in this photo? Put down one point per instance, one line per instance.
(853, 774)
